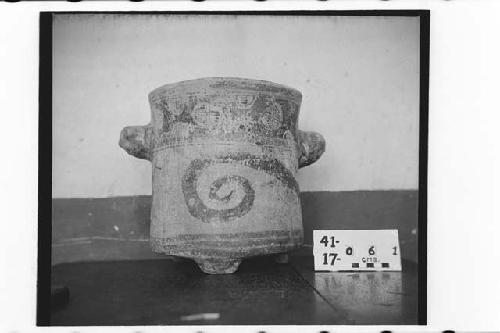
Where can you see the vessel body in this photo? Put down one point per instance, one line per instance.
(225, 153)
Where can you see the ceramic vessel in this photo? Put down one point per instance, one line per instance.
(225, 154)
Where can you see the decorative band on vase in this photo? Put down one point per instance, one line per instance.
(228, 245)
(225, 139)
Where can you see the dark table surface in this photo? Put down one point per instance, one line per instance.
(261, 292)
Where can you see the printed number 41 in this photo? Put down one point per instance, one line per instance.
(325, 258)
(324, 241)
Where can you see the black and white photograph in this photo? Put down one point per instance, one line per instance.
(237, 168)
(249, 166)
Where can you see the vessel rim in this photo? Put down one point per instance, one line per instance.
(175, 85)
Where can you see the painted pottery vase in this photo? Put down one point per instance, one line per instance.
(225, 154)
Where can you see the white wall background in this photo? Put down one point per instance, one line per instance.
(359, 77)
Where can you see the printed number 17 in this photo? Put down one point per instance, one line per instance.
(325, 258)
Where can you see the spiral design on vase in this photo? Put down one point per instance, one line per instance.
(229, 196)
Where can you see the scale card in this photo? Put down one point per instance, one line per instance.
(356, 250)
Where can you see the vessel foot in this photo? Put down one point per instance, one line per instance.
(281, 258)
(219, 266)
